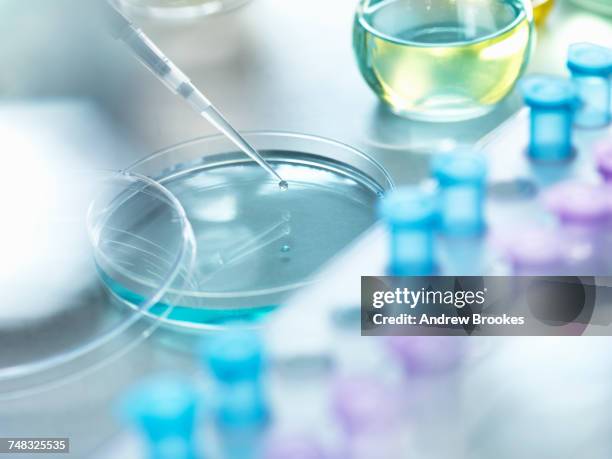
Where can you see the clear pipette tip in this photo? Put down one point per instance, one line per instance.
(171, 76)
(217, 120)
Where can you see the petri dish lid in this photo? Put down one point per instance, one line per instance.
(85, 254)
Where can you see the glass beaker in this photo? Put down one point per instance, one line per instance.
(442, 60)
(178, 9)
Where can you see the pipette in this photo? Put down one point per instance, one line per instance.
(168, 73)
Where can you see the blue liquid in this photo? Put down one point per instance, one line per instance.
(245, 230)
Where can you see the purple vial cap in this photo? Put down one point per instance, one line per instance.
(363, 405)
(603, 153)
(540, 248)
(427, 354)
(578, 203)
(293, 447)
(608, 192)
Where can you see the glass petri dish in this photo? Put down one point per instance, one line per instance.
(260, 243)
(58, 319)
(178, 9)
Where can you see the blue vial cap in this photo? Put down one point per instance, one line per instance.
(164, 407)
(590, 59)
(244, 406)
(460, 168)
(409, 207)
(234, 355)
(544, 91)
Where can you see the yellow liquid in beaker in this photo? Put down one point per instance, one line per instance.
(443, 70)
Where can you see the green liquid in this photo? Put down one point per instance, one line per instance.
(442, 60)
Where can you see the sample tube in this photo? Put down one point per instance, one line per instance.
(293, 447)
(536, 252)
(235, 360)
(462, 179)
(603, 153)
(368, 413)
(591, 68)
(553, 102)
(164, 408)
(578, 204)
(583, 210)
(411, 215)
(427, 355)
(432, 367)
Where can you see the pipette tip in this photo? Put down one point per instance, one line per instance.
(283, 185)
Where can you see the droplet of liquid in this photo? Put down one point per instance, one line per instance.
(286, 248)
(283, 185)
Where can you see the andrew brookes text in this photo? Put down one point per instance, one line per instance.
(489, 306)
(446, 320)
(457, 298)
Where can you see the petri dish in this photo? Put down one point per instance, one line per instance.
(59, 319)
(178, 9)
(259, 243)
